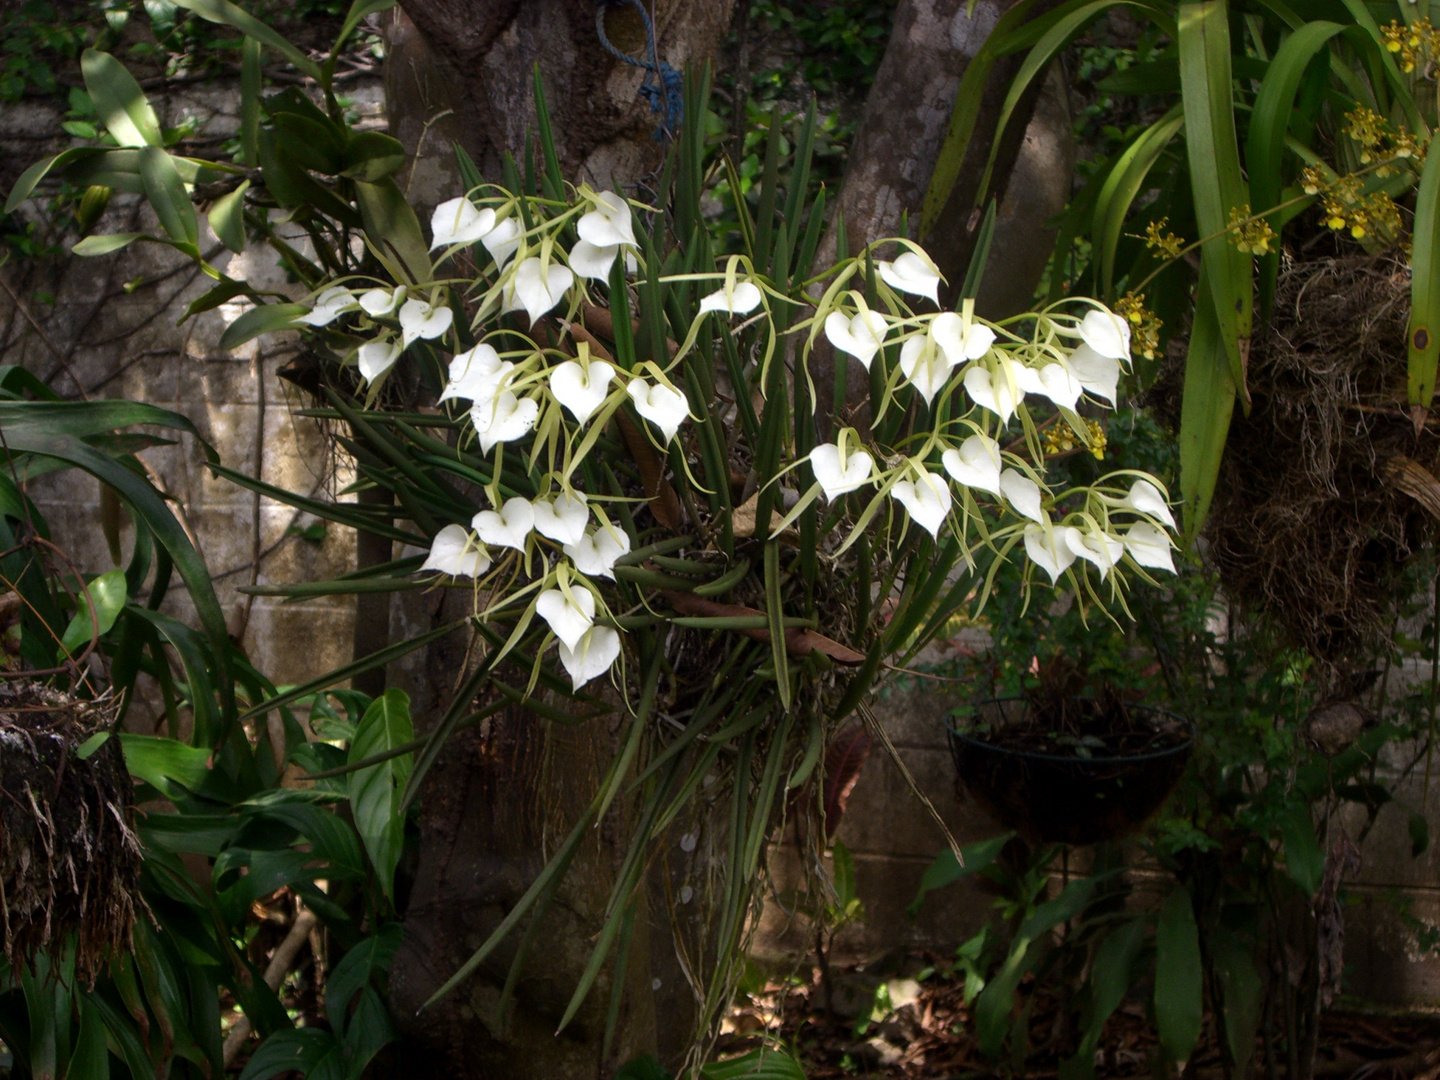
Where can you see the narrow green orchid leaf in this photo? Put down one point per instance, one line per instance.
(119, 101)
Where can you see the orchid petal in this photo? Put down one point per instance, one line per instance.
(459, 221)
(421, 320)
(377, 357)
(926, 499)
(592, 260)
(741, 300)
(1022, 493)
(455, 552)
(592, 656)
(976, 464)
(510, 526)
(1048, 549)
(1148, 546)
(911, 273)
(834, 481)
(861, 335)
(1146, 498)
(562, 519)
(581, 390)
(504, 418)
(596, 553)
(569, 617)
(662, 406)
(378, 302)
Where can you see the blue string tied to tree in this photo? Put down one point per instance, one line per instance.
(663, 85)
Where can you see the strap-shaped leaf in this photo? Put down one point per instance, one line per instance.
(227, 14)
(1424, 334)
(37, 172)
(167, 195)
(1177, 977)
(1123, 184)
(1207, 403)
(1219, 189)
(119, 101)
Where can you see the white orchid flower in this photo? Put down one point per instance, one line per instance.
(562, 519)
(1145, 498)
(377, 357)
(419, 319)
(1022, 493)
(503, 240)
(378, 302)
(1097, 547)
(976, 464)
(926, 499)
(473, 374)
(581, 389)
(926, 365)
(455, 552)
(537, 287)
(1054, 381)
(1148, 546)
(505, 418)
(570, 617)
(329, 306)
(459, 221)
(592, 655)
(1000, 391)
(662, 406)
(861, 335)
(604, 231)
(1104, 345)
(911, 273)
(836, 479)
(510, 526)
(742, 299)
(596, 553)
(1049, 548)
(962, 338)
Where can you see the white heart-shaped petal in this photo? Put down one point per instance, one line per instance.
(960, 339)
(595, 554)
(592, 656)
(1048, 549)
(377, 357)
(421, 320)
(835, 481)
(608, 225)
(1098, 374)
(510, 526)
(581, 390)
(473, 373)
(564, 518)
(591, 261)
(911, 273)
(662, 406)
(570, 617)
(459, 221)
(328, 306)
(378, 302)
(455, 552)
(1022, 493)
(502, 240)
(1148, 546)
(926, 499)
(976, 464)
(1107, 333)
(504, 418)
(925, 365)
(741, 300)
(861, 335)
(538, 288)
(1148, 499)
(1056, 382)
(1104, 551)
(993, 392)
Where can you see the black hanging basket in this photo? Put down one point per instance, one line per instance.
(1079, 797)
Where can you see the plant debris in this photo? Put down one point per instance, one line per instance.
(69, 856)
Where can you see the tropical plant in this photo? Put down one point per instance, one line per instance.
(1271, 113)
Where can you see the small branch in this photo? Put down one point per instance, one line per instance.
(275, 973)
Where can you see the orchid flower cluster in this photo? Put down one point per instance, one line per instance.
(549, 394)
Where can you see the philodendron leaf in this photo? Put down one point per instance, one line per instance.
(107, 593)
(375, 790)
(1177, 977)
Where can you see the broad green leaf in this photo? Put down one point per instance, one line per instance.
(1219, 189)
(313, 143)
(1109, 982)
(163, 763)
(166, 193)
(1242, 993)
(226, 290)
(375, 790)
(227, 218)
(1177, 977)
(946, 869)
(107, 593)
(392, 226)
(354, 970)
(298, 1049)
(1121, 187)
(37, 172)
(89, 1059)
(1206, 406)
(1303, 857)
(261, 320)
(119, 101)
(227, 14)
(372, 155)
(105, 243)
(756, 1065)
(1424, 331)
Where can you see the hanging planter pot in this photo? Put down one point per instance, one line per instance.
(1077, 775)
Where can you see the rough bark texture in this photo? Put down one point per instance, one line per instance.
(906, 118)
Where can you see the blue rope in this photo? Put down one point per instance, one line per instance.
(663, 85)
